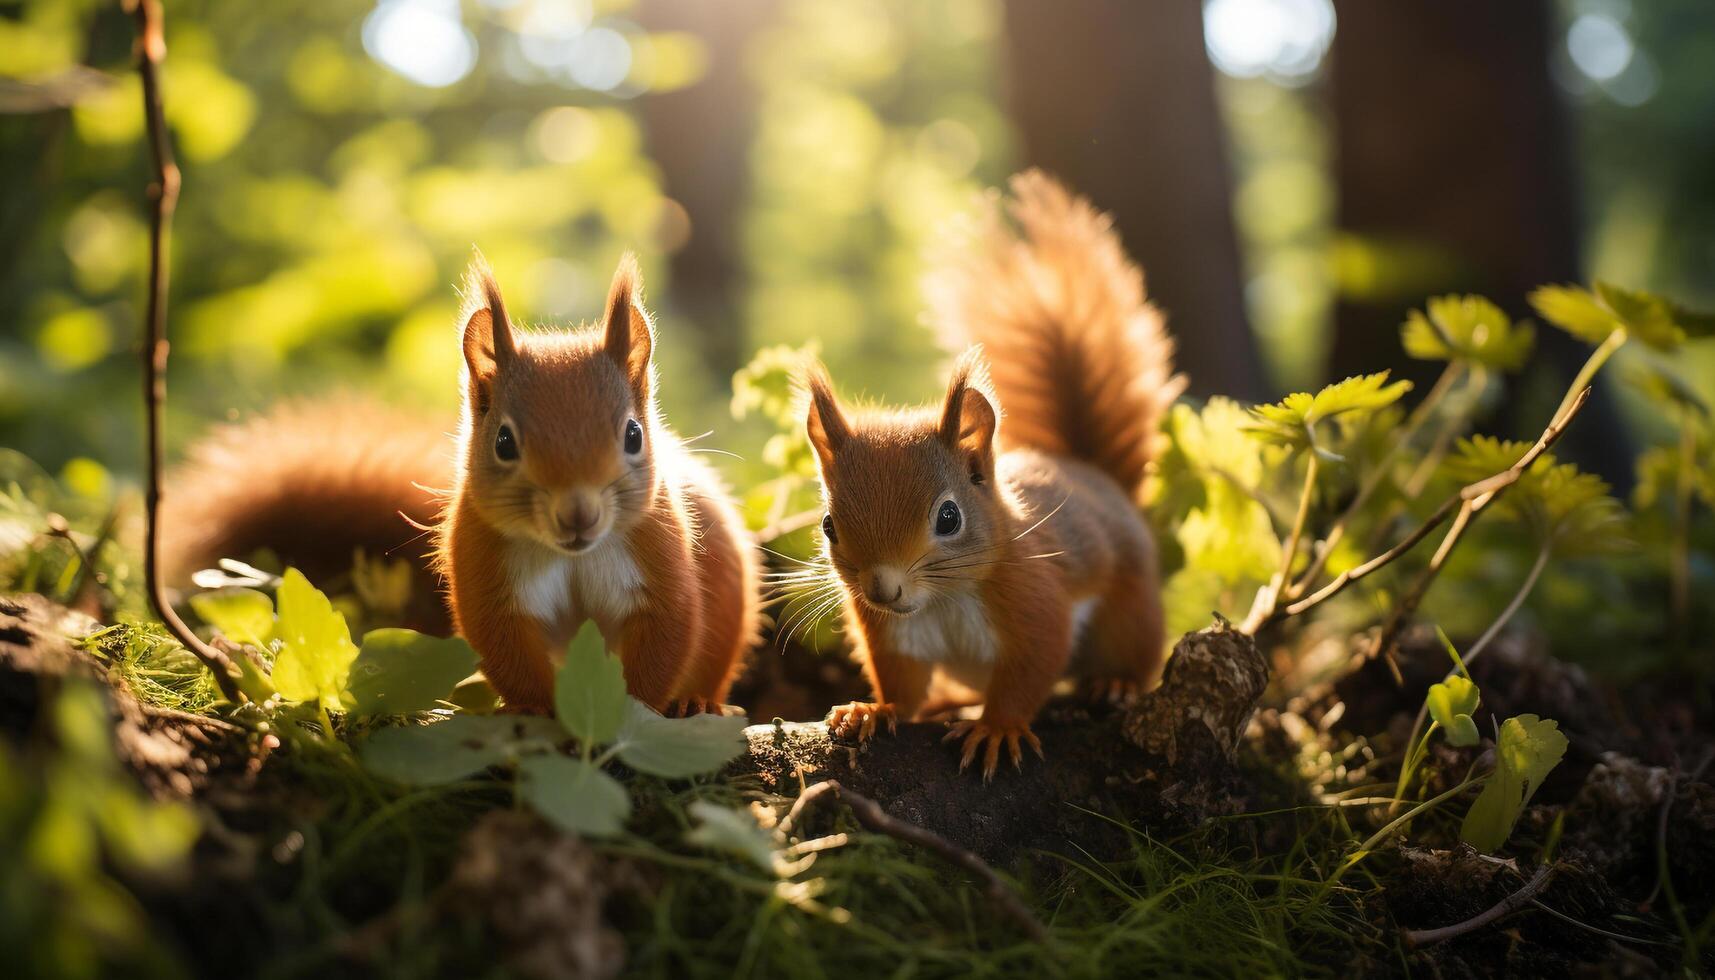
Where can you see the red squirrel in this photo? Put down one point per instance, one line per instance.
(989, 549)
(571, 500)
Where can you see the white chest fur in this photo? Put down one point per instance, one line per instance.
(564, 590)
(952, 628)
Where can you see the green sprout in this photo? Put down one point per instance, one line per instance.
(316, 665)
(1526, 751)
(573, 792)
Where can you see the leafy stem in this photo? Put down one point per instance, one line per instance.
(1598, 357)
(1679, 568)
(1461, 506)
(1425, 409)
(1472, 501)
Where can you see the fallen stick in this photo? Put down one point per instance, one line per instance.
(1503, 908)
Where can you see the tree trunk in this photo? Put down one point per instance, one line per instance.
(700, 137)
(1117, 99)
(1454, 174)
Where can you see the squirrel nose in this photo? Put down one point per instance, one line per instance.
(577, 512)
(884, 586)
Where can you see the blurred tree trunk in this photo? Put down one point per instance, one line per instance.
(700, 137)
(1455, 174)
(1117, 99)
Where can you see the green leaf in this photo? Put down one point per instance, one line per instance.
(399, 671)
(1451, 703)
(1592, 315)
(1467, 328)
(1575, 310)
(735, 832)
(317, 650)
(677, 748)
(1647, 317)
(1563, 506)
(1528, 750)
(589, 691)
(460, 746)
(574, 795)
(1668, 389)
(1292, 421)
(243, 615)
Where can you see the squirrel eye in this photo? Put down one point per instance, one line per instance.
(947, 519)
(633, 437)
(828, 529)
(506, 445)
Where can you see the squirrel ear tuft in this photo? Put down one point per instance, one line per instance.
(630, 336)
(488, 344)
(824, 422)
(969, 417)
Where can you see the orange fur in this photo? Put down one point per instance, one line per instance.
(1078, 356)
(1049, 555)
(314, 482)
(668, 573)
(577, 527)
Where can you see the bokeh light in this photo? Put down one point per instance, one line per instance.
(1282, 39)
(423, 40)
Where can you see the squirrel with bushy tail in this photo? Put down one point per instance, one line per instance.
(992, 543)
(568, 499)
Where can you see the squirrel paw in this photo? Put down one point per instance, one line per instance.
(686, 707)
(1121, 692)
(988, 737)
(859, 719)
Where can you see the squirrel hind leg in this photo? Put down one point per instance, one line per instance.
(1124, 642)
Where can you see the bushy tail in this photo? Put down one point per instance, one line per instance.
(313, 482)
(1078, 357)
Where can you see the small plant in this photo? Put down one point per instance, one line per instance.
(767, 387)
(309, 662)
(1292, 424)
(594, 714)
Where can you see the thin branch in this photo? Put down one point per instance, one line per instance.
(1474, 498)
(1450, 375)
(164, 195)
(871, 815)
(1502, 909)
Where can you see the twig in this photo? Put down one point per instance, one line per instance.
(164, 194)
(1462, 507)
(1505, 907)
(1473, 499)
(871, 815)
(1449, 377)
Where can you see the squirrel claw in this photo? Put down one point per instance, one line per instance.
(1122, 692)
(988, 737)
(686, 707)
(859, 719)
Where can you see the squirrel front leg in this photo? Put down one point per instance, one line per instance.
(1035, 646)
(654, 647)
(899, 684)
(514, 652)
